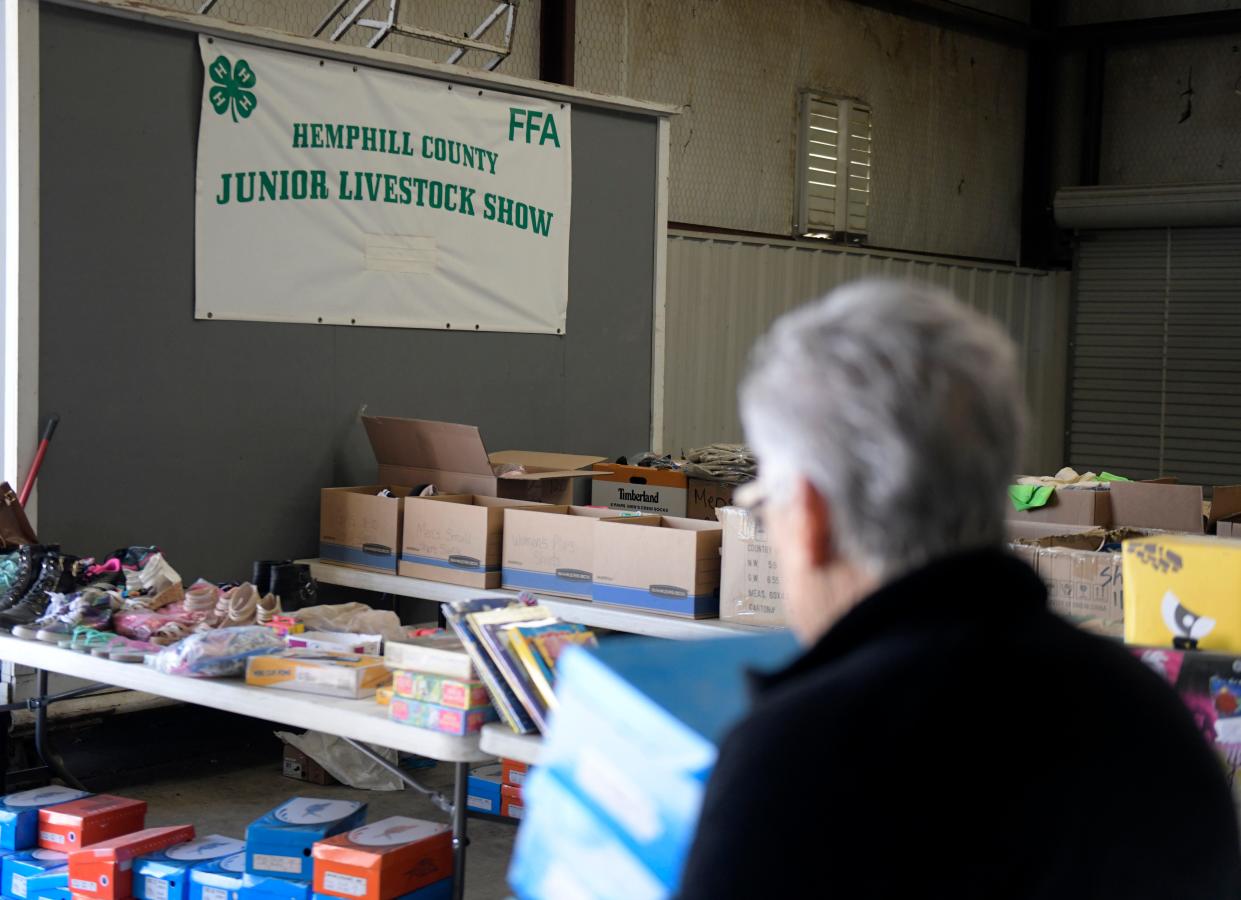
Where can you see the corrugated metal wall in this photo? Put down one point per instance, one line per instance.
(724, 291)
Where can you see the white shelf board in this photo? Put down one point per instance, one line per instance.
(584, 612)
(500, 740)
(362, 720)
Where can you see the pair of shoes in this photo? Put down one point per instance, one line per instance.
(294, 586)
(261, 577)
(91, 607)
(29, 567)
(153, 578)
(55, 577)
(107, 645)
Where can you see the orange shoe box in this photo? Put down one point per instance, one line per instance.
(383, 860)
(511, 805)
(73, 825)
(513, 772)
(104, 870)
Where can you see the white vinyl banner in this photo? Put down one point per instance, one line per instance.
(335, 193)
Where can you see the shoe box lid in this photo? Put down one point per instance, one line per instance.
(19, 813)
(187, 855)
(130, 846)
(304, 820)
(263, 887)
(225, 872)
(85, 821)
(386, 844)
(454, 459)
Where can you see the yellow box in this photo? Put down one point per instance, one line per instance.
(1183, 592)
(319, 672)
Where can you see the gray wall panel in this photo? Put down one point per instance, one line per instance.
(213, 438)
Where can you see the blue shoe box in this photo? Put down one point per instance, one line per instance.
(46, 882)
(440, 890)
(164, 875)
(483, 792)
(19, 868)
(19, 814)
(635, 737)
(260, 887)
(53, 894)
(219, 879)
(279, 843)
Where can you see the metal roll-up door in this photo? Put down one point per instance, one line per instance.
(1156, 354)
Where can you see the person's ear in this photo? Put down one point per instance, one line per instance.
(814, 524)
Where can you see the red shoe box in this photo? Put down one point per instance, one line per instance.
(511, 804)
(104, 871)
(513, 772)
(383, 860)
(90, 820)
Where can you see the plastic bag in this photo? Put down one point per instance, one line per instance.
(217, 654)
(344, 763)
(357, 618)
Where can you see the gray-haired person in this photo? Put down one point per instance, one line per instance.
(943, 735)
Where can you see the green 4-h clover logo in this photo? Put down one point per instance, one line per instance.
(231, 92)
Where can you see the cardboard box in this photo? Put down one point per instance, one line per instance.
(1182, 592)
(165, 874)
(452, 457)
(383, 860)
(511, 805)
(1070, 506)
(359, 528)
(440, 718)
(440, 653)
(457, 538)
(441, 890)
(104, 870)
(750, 589)
(704, 497)
(367, 644)
(89, 820)
(1021, 530)
(19, 868)
(19, 814)
(672, 567)
(450, 692)
(279, 843)
(483, 791)
(1168, 507)
(260, 887)
(1085, 587)
(323, 672)
(301, 767)
(513, 772)
(219, 879)
(51, 882)
(637, 489)
(551, 549)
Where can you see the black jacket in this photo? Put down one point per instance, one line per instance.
(951, 738)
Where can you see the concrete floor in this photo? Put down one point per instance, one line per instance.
(224, 802)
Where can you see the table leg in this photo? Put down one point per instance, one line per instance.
(6, 725)
(42, 746)
(460, 840)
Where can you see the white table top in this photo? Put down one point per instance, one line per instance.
(584, 612)
(362, 720)
(500, 740)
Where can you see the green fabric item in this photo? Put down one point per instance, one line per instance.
(1029, 496)
(1108, 476)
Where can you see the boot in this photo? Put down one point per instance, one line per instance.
(261, 577)
(53, 578)
(30, 564)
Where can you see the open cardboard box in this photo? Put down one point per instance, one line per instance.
(359, 528)
(457, 538)
(670, 566)
(551, 549)
(661, 492)
(1123, 504)
(452, 457)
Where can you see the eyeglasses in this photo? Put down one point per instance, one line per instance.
(752, 497)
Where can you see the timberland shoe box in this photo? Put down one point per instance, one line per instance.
(279, 843)
(105, 870)
(359, 528)
(457, 538)
(638, 489)
(89, 820)
(749, 579)
(20, 867)
(670, 567)
(383, 860)
(165, 874)
(452, 457)
(551, 549)
(19, 814)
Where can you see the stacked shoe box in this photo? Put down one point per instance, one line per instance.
(434, 686)
(23, 861)
(495, 789)
(393, 859)
(612, 807)
(166, 874)
(278, 861)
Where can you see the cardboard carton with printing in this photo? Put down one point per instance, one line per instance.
(219, 879)
(165, 874)
(20, 867)
(457, 538)
(660, 492)
(551, 549)
(511, 804)
(328, 672)
(89, 820)
(671, 567)
(19, 814)
(704, 497)
(261, 887)
(750, 589)
(383, 860)
(1181, 591)
(279, 843)
(360, 529)
(105, 870)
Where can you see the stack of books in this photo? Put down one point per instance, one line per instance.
(514, 646)
(435, 685)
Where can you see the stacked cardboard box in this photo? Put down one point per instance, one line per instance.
(435, 686)
(750, 589)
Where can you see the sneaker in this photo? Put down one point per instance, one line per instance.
(89, 608)
(57, 605)
(54, 577)
(10, 568)
(29, 566)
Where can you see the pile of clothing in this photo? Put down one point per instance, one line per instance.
(727, 463)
